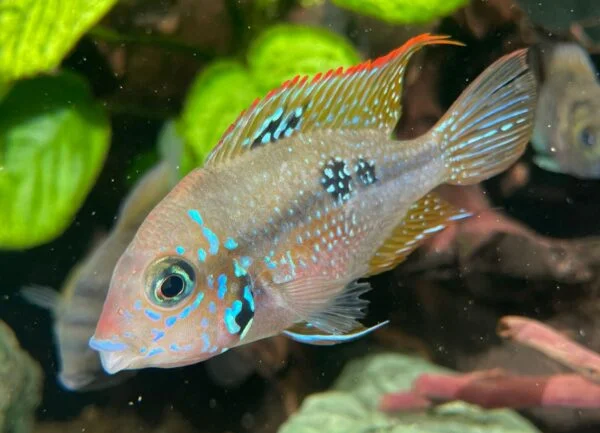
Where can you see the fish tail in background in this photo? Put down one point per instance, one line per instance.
(487, 129)
(42, 296)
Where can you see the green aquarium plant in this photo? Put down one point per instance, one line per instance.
(53, 141)
(352, 405)
(226, 87)
(403, 11)
(36, 35)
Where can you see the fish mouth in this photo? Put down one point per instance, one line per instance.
(113, 354)
(114, 362)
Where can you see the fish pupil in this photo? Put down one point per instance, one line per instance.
(172, 286)
(587, 138)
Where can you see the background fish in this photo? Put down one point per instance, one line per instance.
(305, 194)
(76, 308)
(567, 123)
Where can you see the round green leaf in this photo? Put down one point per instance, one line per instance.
(53, 141)
(403, 11)
(284, 51)
(36, 34)
(217, 97)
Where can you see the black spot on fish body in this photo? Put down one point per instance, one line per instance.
(336, 179)
(366, 172)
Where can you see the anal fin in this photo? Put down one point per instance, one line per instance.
(424, 219)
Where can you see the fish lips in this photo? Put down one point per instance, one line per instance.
(113, 354)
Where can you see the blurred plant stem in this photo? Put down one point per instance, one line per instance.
(111, 36)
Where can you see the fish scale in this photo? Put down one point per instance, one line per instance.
(303, 195)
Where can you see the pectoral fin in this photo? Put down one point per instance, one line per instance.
(305, 333)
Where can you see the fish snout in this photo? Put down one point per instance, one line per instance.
(114, 362)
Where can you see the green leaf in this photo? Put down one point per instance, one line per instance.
(53, 141)
(351, 407)
(217, 97)
(403, 11)
(35, 35)
(284, 51)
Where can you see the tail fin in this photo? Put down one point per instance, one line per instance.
(42, 296)
(487, 129)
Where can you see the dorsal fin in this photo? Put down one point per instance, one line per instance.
(424, 219)
(367, 95)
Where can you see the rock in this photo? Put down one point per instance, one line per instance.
(20, 384)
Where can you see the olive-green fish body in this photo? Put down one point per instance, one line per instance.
(567, 125)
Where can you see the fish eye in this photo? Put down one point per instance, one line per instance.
(587, 137)
(169, 281)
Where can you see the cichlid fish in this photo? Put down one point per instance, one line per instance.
(567, 124)
(304, 194)
(77, 307)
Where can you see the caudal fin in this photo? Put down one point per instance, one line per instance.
(487, 129)
(43, 297)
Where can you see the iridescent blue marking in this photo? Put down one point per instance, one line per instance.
(245, 261)
(155, 351)
(269, 260)
(177, 348)
(152, 315)
(222, 281)
(204, 323)
(137, 305)
(185, 312)
(206, 340)
(212, 307)
(170, 321)
(238, 269)
(143, 350)
(195, 215)
(213, 349)
(198, 300)
(201, 254)
(179, 250)
(230, 244)
(210, 280)
(157, 334)
(127, 314)
(107, 345)
(248, 297)
(329, 339)
(231, 314)
(213, 240)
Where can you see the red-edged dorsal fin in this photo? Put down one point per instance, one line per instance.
(367, 95)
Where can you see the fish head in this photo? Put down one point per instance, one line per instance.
(178, 294)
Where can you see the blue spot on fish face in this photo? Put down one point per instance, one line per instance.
(206, 342)
(152, 315)
(222, 281)
(157, 334)
(107, 345)
(137, 305)
(210, 280)
(238, 269)
(195, 216)
(155, 352)
(231, 314)
(246, 261)
(201, 255)
(185, 312)
(230, 244)
(212, 307)
(213, 240)
(179, 250)
(204, 323)
(198, 300)
(170, 321)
